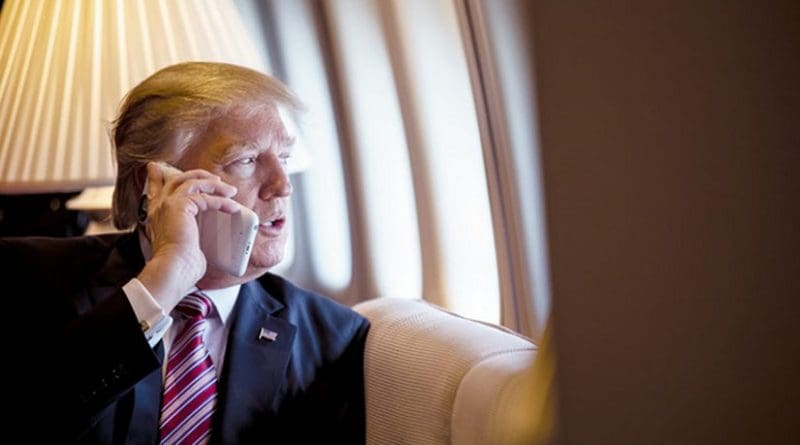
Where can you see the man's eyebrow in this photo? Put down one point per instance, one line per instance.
(228, 152)
(281, 140)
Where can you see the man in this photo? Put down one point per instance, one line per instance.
(267, 363)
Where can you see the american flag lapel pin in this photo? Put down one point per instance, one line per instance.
(266, 334)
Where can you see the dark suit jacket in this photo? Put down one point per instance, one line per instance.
(102, 382)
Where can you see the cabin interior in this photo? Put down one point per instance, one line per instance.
(602, 194)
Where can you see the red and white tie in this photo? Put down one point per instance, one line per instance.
(190, 385)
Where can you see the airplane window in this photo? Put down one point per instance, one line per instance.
(500, 56)
(323, 200)
(440, 114)
(379, 149)
(392, 122)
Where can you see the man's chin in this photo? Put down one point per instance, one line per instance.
(266, 256)
(263, 260)
(256, 270)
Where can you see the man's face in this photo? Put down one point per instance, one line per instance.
(244, 151)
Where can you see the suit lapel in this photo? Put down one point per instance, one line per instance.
(254, 364)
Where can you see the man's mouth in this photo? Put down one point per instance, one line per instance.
(273, 223)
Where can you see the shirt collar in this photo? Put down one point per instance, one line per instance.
(223, 300)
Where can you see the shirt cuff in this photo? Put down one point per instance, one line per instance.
(154, 321)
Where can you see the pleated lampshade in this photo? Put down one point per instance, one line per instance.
(65, 66)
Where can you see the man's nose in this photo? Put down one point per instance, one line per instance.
(276, 183)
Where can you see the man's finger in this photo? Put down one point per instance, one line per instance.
(204, 203)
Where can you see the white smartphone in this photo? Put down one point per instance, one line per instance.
(225, 239)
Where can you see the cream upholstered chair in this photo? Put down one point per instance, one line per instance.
(433, 377)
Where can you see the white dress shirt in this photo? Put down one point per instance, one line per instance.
(156, 325)
(216, 333)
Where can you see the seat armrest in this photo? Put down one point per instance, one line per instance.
(430, 375)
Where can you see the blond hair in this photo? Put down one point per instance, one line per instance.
(165, 113)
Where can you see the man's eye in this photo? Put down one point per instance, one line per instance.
(243, 166)
(285, 158)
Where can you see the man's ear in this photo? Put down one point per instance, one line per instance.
(140, 178)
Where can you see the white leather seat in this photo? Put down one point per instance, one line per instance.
(433, 377)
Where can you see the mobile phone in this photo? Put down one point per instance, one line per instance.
(226, 239)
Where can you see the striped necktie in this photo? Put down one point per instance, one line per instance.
(190, 385)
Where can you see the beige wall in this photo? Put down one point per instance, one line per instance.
(670, 140)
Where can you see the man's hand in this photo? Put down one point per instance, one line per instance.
(174, 201)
